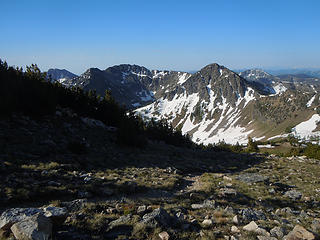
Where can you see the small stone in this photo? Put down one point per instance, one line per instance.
(234, 229)
(195, 195)
(262, 232)
(251, 227)
(229, 210)
(164, 236)
(111, 210)
(226, 178)
(196, 206)
(293, 195)
(207, 223)
(142, 209)
(228, 192)
(235, 219)
(277, 232)
(180, 216)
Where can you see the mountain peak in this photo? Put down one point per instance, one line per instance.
(56, 74)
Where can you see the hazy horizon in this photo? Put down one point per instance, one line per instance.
(179, 35)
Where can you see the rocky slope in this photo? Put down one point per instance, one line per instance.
(131, 85)
(65, 177)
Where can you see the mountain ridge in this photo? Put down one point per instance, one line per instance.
(210, 105)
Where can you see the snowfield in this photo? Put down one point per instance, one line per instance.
(224, 127)
(305, 130)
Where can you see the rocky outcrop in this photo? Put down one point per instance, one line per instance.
(36, 227)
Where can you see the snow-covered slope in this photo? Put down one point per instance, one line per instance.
(306, 129)
(208, 106)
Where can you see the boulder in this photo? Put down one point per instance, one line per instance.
(293, 195)
(207, 223)
(164, 236)
(36, 227)
(120, 221)
(277, 232)
(251, 227)
(249, 214)
(56, 214)
(235, 229)
(157, 217)
(74, 205)
(205, 204)
(299, 233)
(13, 215)
(252, 178)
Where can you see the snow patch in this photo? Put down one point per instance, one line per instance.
(183, 77)
(309, 103)
(305, 129)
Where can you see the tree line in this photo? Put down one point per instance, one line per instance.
(30, 93)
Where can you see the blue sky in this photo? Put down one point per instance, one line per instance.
(175, 35)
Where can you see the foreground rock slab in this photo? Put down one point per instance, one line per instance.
(37, 227)
(299, 233)
(13, 215)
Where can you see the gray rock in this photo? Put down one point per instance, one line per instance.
(56, 214)
(252, 178)
(75, 205)
(205, 204)
(157, 217)
(120, 221)
(13, 215)
(228, 192)
(36, 227)
(293, 195)
(277, 232)
(196, 206)
(249, 214)
(316, 225)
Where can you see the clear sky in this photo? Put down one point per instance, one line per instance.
(176, 35)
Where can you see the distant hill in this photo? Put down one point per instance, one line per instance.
(60, 75)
